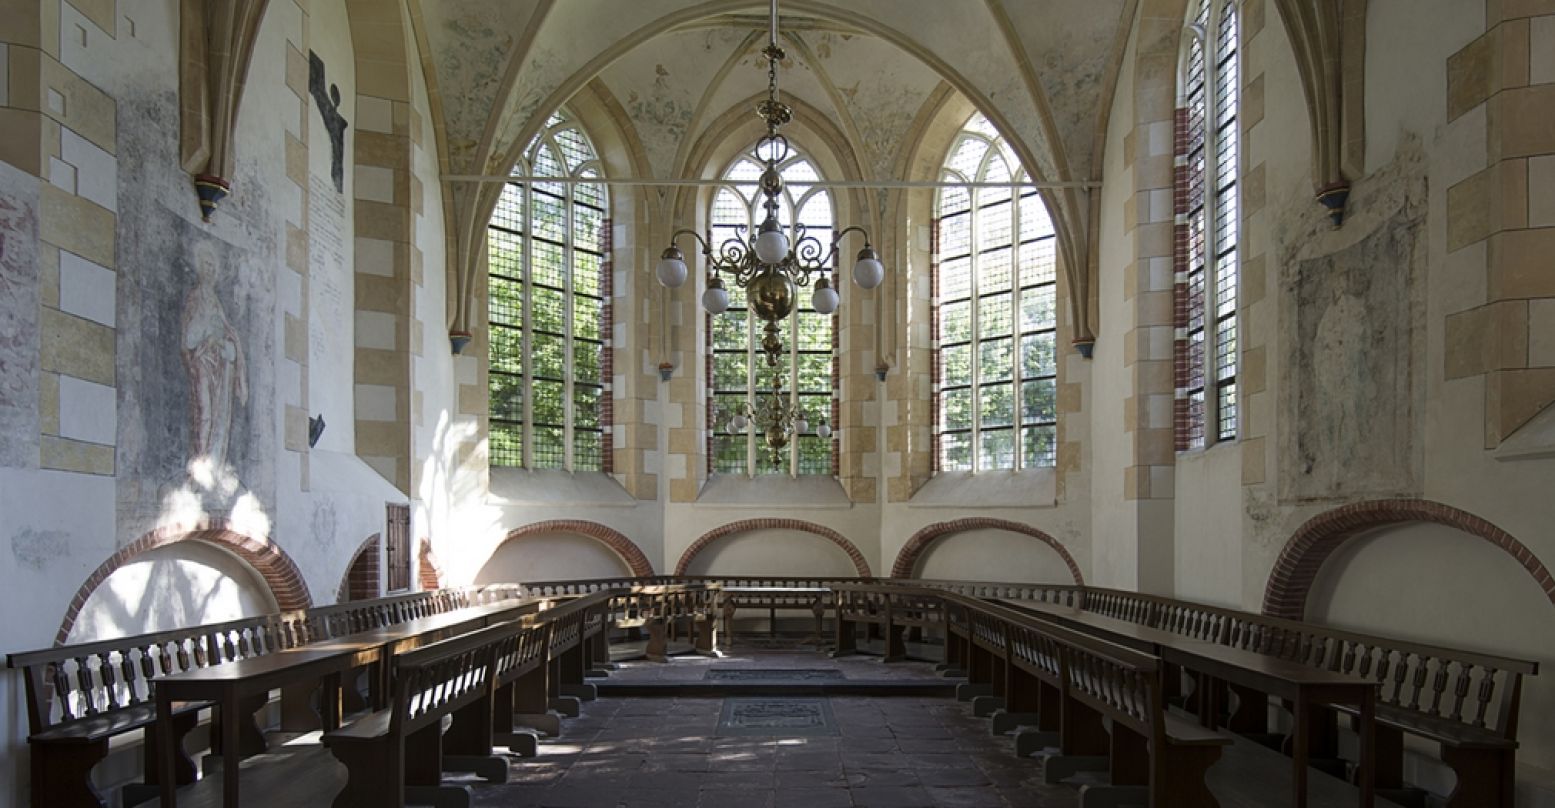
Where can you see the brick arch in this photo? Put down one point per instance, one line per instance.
(1318, 538)
(747, 525)
(272, 563)
(343, 594)
(914, 549)
(625, 548)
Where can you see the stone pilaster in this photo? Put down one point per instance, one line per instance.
(1509, 340)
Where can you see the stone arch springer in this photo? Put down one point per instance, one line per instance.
(918, 545)
(746, 525)
(281, 575)
(626, 549)
(1318, 538)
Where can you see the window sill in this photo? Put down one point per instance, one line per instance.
(1028, 488)
(1208, 451)
(510, 486)
(811, 491)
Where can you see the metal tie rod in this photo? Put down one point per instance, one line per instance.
(724, 183)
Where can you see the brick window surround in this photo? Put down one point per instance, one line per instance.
(918, 545)
(625, 548)
(279, 572)
(747, 525)
(1318, 538)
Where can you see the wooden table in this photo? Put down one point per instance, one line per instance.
(231, 684)
(773, 598)
(1213, 664)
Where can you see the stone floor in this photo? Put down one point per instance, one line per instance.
(892, 752)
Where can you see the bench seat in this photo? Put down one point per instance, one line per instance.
(107, 725)
(1435, 728)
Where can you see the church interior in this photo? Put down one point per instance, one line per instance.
(806, 403)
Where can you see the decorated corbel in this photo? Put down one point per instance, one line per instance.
(1329, 40)
(216, 42)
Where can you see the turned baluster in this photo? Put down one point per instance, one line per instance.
(1417, 681)
(1487, 691)
(1439, 686)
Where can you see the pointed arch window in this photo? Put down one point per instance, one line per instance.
(548, 309)
(1208, 163)
(994, 278)
(737, 368)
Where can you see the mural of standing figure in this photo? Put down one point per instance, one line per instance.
(334, 123)
(213, 355)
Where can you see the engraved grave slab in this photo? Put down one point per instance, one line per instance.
(776, 716)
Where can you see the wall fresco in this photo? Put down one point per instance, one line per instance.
(18, 318)
(196, 338)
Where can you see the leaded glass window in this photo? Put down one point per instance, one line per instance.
(546, 246)
(994, 313)
(1209, 147)
(738, 370)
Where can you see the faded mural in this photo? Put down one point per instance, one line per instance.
(18, 318)
(1351, 401)
(196, 342)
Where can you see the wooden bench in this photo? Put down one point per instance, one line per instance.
(81, 696)
(1466, 703)
(396, 754)
(1099, 704)
(890, 613)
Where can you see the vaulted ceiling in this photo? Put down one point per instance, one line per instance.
(1042, 70)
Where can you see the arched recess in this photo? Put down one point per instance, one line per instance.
(617, 541)
(914, 549)
(745, 525)
(429, 573)
(279, 572)
(362, 572)
(1317, 539)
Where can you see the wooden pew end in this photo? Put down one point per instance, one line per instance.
(491, 768)
(568, 706)
(548, 723)
(521, 742)
(1029, 741)
(1005, 722)
(440, 796)
(598, 672)
(1058, 768)
(1108, 796)
(581, 692)
(984, 706)
(966, 691)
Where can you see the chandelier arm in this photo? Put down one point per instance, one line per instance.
(707, 249)
(836, 242)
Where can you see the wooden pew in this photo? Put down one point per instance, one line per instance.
(397, 754)
(1073, 687)
(1466, 703)
(892, 613)
(81, 696)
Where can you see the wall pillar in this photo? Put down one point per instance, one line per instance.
(1508, 75)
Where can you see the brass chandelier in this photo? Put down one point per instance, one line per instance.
(771, 268)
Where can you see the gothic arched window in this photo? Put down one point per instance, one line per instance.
(738, 370)
(994, 277)
(547, 247)
(1207, 167)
